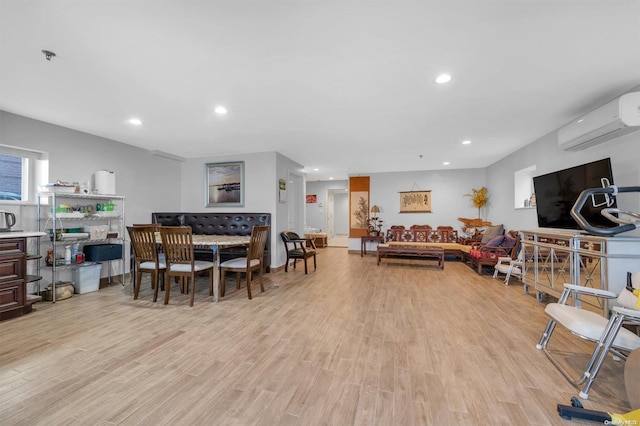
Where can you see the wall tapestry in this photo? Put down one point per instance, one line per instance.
(359, 209)
(415, 202)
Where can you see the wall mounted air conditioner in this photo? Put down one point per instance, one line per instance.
(611, 120)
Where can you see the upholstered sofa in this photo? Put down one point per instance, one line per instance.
(218, 224)
(475, 253)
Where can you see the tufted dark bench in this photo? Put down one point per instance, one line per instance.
(219, 224)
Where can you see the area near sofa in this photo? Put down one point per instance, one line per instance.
(422, 241)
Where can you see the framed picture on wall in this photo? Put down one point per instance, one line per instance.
(224, 184)
(415, 202)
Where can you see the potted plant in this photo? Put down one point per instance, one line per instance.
(375, 226)
(479, 198)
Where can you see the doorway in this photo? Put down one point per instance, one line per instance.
(295, 201)
(338, 217)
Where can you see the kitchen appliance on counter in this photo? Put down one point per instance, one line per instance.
(7, 220)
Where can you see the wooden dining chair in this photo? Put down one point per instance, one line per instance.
(253, 262)
(177, 244)
(146, 259)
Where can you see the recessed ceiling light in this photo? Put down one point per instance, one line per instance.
(220, 110)
(330, 178)
(446, 163)
(467, 142)
(316, 170)
(135, 121)
(443, 78)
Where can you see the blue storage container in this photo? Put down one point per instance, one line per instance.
(102, 252)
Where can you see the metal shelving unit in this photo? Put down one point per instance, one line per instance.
(53, 222)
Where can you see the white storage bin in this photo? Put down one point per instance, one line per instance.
(86, 277)
(98, 232)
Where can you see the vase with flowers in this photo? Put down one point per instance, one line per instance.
(479, 198)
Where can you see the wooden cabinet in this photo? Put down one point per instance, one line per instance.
(555, 257)
(13, 283)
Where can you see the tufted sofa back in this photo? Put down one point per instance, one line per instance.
(214, 223)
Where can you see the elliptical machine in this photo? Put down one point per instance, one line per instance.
(623, 220)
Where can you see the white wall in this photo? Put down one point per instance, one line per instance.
(340, 213)
(259, 189)
(448, 202)
(153, 183)
(149, 183)
(262, 172)
(285, 169)
(547, 157)
(317, 214)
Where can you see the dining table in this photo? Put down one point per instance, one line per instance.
(215, 243)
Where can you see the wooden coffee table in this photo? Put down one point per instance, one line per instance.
(413, 252)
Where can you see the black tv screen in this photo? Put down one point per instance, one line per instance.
(557, 192)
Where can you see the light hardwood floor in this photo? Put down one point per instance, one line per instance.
(403, 343)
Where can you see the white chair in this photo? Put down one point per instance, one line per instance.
(609, 335)
(508, 266)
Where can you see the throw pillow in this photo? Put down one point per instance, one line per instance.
(508, 241)
(496, 241)
(491, 232)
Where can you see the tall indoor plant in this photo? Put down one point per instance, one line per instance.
(479, 198)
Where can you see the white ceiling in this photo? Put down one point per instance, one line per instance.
(346, 86)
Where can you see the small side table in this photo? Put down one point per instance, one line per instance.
(369, 238)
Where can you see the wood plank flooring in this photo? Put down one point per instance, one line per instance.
(403, 343)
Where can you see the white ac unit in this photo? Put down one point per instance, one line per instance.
(611, 120)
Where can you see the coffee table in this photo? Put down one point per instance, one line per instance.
(417, 252)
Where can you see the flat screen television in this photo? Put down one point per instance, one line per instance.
(557, 192)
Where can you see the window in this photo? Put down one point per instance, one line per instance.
(11, 177)
(21, 171)
(523, 185)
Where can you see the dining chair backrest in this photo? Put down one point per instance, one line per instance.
(259, 236)
(177, 243)
(155, 226)
(143, 241)
(146, 257)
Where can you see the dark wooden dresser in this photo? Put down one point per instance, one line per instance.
(14, 300)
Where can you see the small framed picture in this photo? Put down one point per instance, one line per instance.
(224, 184)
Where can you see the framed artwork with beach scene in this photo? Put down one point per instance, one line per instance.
(225, 184)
